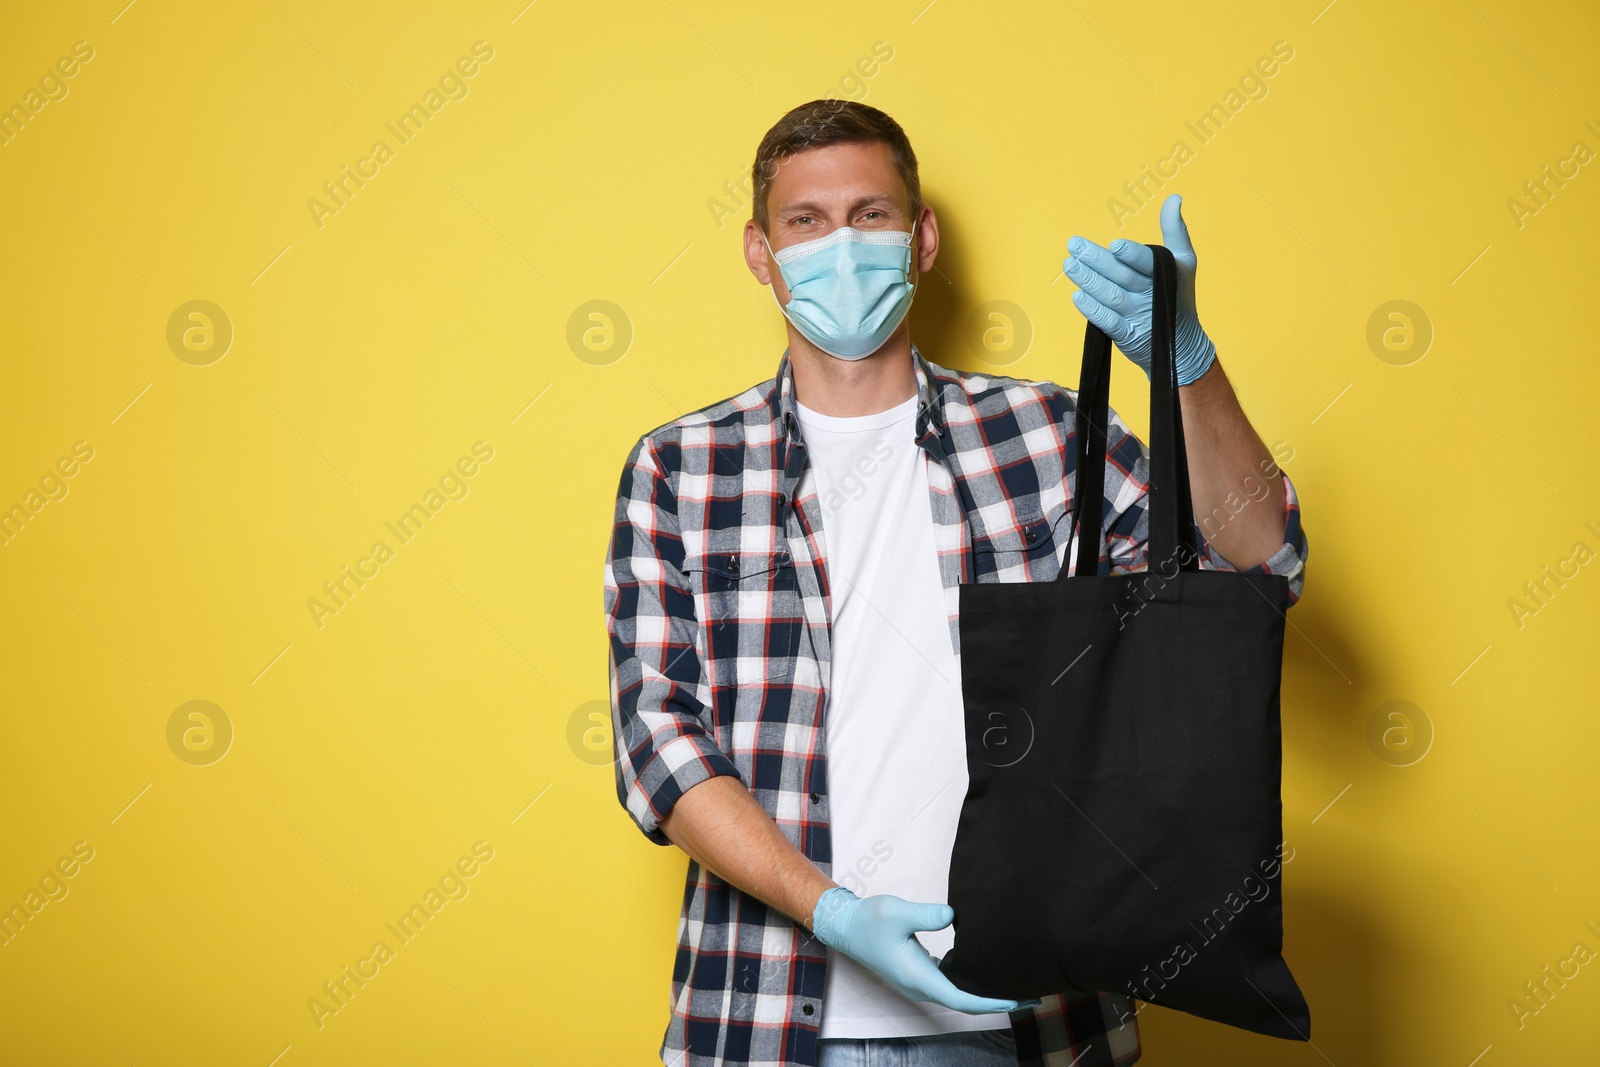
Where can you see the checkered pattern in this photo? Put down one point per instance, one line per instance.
(717, 607)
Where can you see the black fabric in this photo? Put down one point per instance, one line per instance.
(1123, 824)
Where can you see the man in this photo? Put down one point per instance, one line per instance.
(781, 596)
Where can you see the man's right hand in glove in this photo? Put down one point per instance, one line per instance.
(878, 932)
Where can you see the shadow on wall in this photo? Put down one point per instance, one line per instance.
(944, 295)
(1333, 953)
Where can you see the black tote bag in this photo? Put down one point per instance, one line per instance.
(1123, 823)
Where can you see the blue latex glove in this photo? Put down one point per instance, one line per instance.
(878, 933)
(1115, 288)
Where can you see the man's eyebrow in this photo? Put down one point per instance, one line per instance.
(811, 205)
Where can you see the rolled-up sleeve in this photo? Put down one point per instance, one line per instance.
(662, 745)
(1127, 517)
(1290, 558)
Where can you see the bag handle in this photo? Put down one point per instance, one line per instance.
(1170, 504)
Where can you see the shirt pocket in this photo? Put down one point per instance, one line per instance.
(750, 614)
(1023, 549)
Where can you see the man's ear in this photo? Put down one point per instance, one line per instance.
(755, 253)
(925, 247)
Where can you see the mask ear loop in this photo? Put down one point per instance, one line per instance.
(912, 248)
(774, 257)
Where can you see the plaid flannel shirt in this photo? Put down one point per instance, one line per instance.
(717, 608)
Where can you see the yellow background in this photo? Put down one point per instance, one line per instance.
(447, 702)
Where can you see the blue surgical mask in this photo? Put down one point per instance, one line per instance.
(849, 290)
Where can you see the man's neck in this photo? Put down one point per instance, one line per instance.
(845, 388)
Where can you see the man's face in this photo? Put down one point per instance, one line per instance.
(818, 190)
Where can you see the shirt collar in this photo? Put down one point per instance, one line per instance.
(930, 410)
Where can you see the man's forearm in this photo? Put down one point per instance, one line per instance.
(720, 825)
(1228, 464)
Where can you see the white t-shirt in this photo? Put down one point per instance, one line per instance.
(896, 740)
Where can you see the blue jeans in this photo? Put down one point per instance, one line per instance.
(964, 1048)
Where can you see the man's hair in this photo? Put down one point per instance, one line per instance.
(828, 122)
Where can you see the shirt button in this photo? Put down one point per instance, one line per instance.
(808, 1009)
(815, 799)
(1032, 535)
(733, 564)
